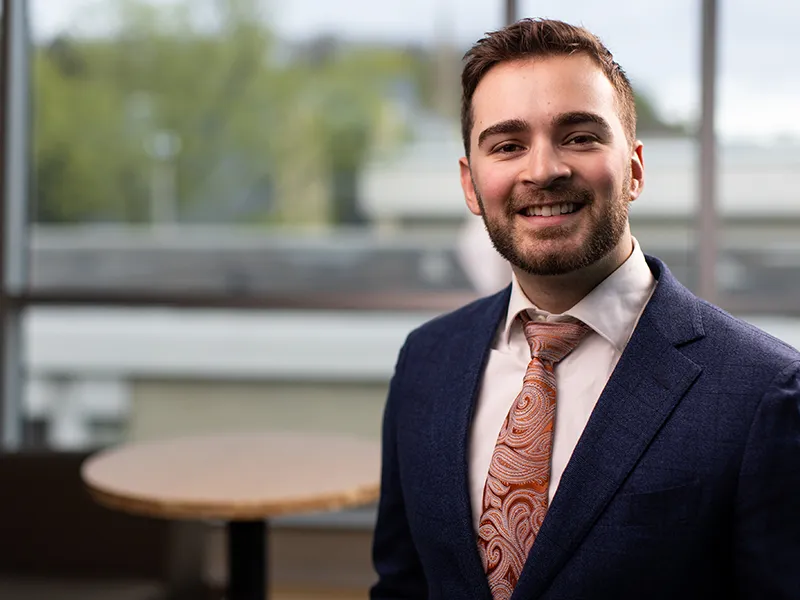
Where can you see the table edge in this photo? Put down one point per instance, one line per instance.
(244, 511)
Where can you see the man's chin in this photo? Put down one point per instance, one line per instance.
(550, 249)
(550, 265)
(549, 257)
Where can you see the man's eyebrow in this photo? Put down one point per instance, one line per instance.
(581, 118)
(559, 121)
(509, 126)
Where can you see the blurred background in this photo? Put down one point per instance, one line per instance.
(227, 215)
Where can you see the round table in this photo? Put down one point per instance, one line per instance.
(242, 479)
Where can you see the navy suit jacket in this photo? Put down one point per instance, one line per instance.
(685, 483)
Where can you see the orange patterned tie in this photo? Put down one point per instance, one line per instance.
(515, 496)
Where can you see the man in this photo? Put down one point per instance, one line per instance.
(594, 431)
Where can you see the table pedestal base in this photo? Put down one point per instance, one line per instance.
(247, 560)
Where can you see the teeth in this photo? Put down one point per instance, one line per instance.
(548, 211)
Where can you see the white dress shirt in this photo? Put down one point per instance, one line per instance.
(612, 310)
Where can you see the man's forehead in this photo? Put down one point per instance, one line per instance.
(573, 64)
(542, 88)
(547, 80)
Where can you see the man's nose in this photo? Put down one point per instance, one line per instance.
(545, 166)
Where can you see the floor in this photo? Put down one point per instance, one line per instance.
(42, 590)
(306, 563)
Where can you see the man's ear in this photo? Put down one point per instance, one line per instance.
(468, 186)
(637, 171)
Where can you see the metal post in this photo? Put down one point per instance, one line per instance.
(14, 137)
(707, 230)
(248, 577)
(510, 15)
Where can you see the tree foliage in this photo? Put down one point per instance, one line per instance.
(649, 122)
(243, 126)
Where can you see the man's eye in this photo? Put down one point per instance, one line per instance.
(582, 139)
(508, 148)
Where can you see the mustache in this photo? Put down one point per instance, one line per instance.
(540, 197)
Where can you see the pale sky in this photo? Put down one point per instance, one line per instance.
(656, 42)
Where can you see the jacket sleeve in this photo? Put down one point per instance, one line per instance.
(767, 530)
(394, 555)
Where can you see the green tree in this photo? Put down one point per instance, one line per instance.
(86, 163)
(650, 122)
(216, 113)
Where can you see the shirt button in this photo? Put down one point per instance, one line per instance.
(541, 318)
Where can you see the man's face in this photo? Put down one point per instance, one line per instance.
(550, 171)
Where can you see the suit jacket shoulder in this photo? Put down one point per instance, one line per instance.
(743, 341)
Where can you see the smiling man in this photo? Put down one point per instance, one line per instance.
(593, 431)
(553, 167)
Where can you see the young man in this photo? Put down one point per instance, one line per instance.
(593, 431)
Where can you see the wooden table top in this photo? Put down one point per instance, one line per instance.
(236, 476)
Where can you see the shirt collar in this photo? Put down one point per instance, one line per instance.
(612, 309)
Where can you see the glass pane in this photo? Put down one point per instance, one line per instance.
(245, 147)
(102, 376)
(658, 46)
(248, 148)
(759, 166)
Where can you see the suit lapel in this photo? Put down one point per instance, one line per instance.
(649, 380)
(462, 359)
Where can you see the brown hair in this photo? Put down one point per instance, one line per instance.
(538, 38)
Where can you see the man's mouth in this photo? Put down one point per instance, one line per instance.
(551, 210)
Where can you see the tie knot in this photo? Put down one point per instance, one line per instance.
(552, 341)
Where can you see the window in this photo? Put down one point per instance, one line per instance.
(248, 150)
(187, 159)
(759, 162)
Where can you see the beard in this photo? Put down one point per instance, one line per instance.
(605, 230)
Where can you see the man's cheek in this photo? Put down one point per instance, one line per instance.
(496, 193)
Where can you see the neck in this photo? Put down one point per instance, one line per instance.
(558, 293)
